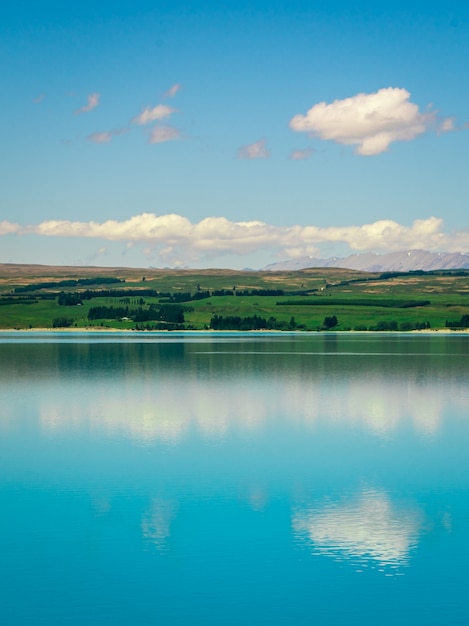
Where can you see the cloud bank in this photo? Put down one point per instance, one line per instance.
(369, 121)
(175, 239)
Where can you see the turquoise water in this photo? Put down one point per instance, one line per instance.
(234, 479)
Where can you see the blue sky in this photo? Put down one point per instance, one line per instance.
(204, 134)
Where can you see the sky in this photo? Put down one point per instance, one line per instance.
(231, 134)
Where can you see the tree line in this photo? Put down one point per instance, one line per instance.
(201, 294)
(254, 322)
(391, 303)
(78, 282)
(166, 313)
(462, 323)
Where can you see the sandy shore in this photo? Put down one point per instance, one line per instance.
(94, 329)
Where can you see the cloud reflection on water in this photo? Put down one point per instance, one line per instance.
(167, 412)
(368, 529)
(163, 392)
(156, 522)
(163, 413)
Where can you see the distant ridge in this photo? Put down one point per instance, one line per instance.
(404, 261)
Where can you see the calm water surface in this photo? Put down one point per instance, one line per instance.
(234, 479)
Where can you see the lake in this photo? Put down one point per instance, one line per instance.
(228, 479)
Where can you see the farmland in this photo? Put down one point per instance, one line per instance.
(34, 296)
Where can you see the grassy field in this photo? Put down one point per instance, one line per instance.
(313, 299)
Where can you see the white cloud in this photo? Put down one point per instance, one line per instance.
(92, 103)
(257, 150)
(105, 136)
(100, 137)
(173, 90)
(160, 112)
(369, 529)
(447, 125)
(369, 121)
(301, 155)
(160, 134)
(175, 239)
(8, 228)
(384, 235)
(103, 251)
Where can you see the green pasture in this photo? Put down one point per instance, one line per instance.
(311, 317)
(358, 300)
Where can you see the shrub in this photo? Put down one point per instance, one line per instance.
(61, 322)
(329, 322)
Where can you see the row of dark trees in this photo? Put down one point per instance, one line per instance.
(255, 322)
(462, 323)
(79, 282)
(259, 292)
(235, 322)
(67, 298)
(76, 298)
(394, 326)
(231, 322)
(389, 303)
(185, 296)
(200, 294)
(167, 313)
(62, 322)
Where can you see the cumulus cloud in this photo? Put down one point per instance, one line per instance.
(384, 235)
(175, 238)
(149, 114)
(173, 90)
(257, 150)
(161, 134)
(92, 103)
(369, 121)
(301, 155)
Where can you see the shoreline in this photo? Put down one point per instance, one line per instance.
(94, 329)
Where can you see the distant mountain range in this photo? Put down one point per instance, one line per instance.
(405, 261)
